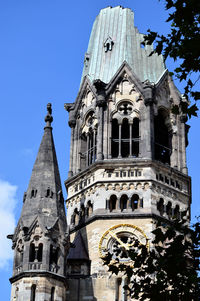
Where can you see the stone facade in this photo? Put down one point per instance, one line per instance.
(127, 156)
(127, 170)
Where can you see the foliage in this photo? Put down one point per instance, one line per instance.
(168, 270)
(183, 43)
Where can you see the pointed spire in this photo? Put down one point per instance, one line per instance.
(44, 191)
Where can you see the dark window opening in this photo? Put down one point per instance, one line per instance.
(162, 138)
(39, 253)
(32, 253)
(135, 202)
(125, 139)
(169, 209)
(135, 137)
(115, 139)
(53, 255)
(33, 292)
(123, 202)
(82, 213)
(91, 147)
(89, 208)
(119, 293)
(160, 206)
(177, 212)
(52, 293)
(113, 202)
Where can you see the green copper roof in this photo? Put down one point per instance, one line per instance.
(113, 40)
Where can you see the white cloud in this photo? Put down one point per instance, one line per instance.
(7, 220)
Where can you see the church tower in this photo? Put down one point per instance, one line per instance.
(40, 241)
(127, 155)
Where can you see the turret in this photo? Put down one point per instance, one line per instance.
(40, 240)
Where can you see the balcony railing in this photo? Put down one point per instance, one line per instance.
(34, 265)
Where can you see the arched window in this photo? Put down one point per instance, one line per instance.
(89, 208)
(135, 202)
(88, 149)
(160, 206)
(33, 292)
(125, 138)
(53, 259)
(112, 202)
(39, 253)
(169, 209)
(119, 288)
(177, 212)
(82, 213)
(91, 146)
(123, 202)
(52, 293)
(32, 253)
(162, 138)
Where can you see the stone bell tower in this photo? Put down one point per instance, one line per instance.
(127, 156)
(40, 241)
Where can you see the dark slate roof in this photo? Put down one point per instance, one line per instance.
(79, 252)
(115, 40)
(47, 208)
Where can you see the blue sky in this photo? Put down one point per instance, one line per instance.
(41, 59)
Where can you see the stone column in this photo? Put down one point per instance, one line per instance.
(87, 151)
(46, 254)
(72, 124)
(147, 149)
(26, 256)
(131, 138)
(183, 144)
(100, 103)
(120, 141)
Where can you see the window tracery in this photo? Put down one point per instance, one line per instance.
(125, 131)
(89, 140)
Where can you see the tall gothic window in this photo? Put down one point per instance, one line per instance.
(125, 138)
(91, 146)
(89, 141)
(162, 138)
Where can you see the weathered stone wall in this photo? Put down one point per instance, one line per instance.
(21, 289)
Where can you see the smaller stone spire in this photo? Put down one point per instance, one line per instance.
(49, 118)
